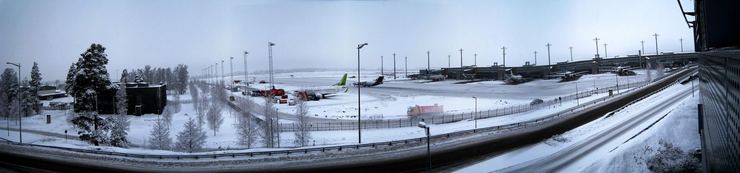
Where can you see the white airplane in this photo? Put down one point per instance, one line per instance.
(327, 91)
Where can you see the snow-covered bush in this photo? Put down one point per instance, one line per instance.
(159, 137)
(669, 158)
(119, 130)
(215, 119)
(302, 134)
(191, 138)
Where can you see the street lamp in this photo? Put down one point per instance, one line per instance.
(656, 43)
(571, 53)
(231, 71)
(548, 53)
(394, 66)
(424, 126)
(535, 58)
(428, 73)
(597, 46)
(381, 66)
(504, 55)
(18, 94)
(606, 55)
(359, 108)
(406, 66)
(475, 118)
(269, 50)
(222, 71)
(246, 74)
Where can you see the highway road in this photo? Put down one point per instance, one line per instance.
(598, 142)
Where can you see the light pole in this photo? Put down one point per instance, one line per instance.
(359, 109)
(504, 54)
(381, 66)
(642, 45)
(535, 58)
(681, 40)
(246, 73)
(394, 66)
(18, 94)
(231, 72)
(475, 59)
(424, 126)
(269, 51)
(475, 118)
(449, 65)
(215, 73)
(571, 53)
(548, 54)
(406, 66)
(461, 59)
(428, 72)
(597, 46)
(656, 43)
(222, 72)
(616, 77)
(606, 55)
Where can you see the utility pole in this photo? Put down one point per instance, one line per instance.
(231, 71)
(642, 44)
(428, 66)
(475, 59)
(606, 55)
(461, 58)
(656, 43)
(406, 65)
(448, 61)
(504, 55)
(359, 109)
(681, 40)
(571, 53)
(269, 53)
(222, 71)
(548, 54)
(381, 66)
(246, 73)
(394, 66)
(597, 46)
(535, 58)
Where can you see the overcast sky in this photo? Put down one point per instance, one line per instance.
(325, 33)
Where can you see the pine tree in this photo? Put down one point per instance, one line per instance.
(92, 128)
(159, 137)
(182, 78)
(302, 134)
(91, 78)
(120, 123)
(70, 78)
(34, 85)
(192, 138)
(119, 130)
(27, 100)
(9, 85)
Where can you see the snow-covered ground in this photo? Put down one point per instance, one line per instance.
(392, 99)
(676, 127)
(388, 101)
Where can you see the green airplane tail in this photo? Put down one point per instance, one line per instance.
(343, 81)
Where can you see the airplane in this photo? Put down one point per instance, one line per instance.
(624, 71)
(328, 91)
(513, 79)
(569, 76)
(376, 82)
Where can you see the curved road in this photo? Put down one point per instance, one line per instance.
(560, 160)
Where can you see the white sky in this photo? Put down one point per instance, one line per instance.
(319, 34)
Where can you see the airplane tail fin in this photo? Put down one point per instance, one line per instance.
(343, 81)
(378, 81)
